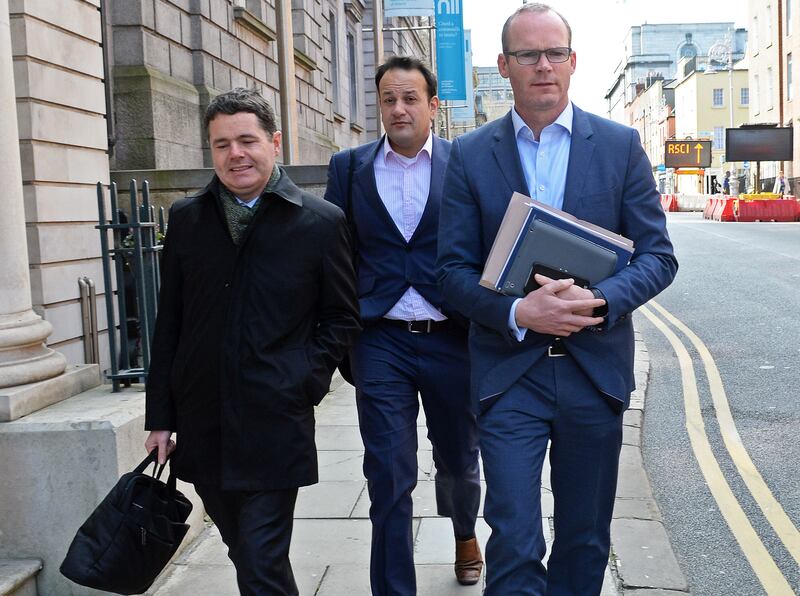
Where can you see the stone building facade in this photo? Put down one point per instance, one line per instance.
(169, 58)
(114, 85)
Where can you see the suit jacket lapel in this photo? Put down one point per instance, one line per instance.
(507, 156)
(580, 159)
(365, 188)
(438, 165)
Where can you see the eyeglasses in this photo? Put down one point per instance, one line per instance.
(554, 55)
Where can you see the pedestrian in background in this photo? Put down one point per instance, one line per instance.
(257, 307)
(556, 366)
(781, 186)
(726, 183)
(414, 346)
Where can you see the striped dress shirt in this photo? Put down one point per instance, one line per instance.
(403, 185)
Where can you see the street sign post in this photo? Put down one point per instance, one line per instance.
(687, 154)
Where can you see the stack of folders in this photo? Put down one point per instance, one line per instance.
(536, 238)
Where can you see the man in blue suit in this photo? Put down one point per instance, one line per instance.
(556, 365)
(412, 342)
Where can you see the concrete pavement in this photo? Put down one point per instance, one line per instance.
(330, 545)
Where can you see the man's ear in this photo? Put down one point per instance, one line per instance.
(502, 65)
(277, 138)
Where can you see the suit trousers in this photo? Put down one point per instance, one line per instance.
(256, 526)
(391, 366)
(554, 401)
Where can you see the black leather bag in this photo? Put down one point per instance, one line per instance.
(131, 536)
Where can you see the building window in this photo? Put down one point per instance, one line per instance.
(717, 100)
(755, 35)
(334, 33)
(719, 137)
(744, 96)
(768, 15)
(756, 101)
(770, 89)
(788, 5)
(351, 56)
(789, 76)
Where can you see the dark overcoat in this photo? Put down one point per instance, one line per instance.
(247, 337)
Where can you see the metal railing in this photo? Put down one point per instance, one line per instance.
(91, 344)
(134, 257)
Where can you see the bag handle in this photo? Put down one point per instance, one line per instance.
(158, 469)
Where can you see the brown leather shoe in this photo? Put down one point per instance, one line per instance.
(469, 562)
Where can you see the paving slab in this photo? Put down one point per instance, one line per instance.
(349, 580)
(330, 542)
(441, 581)
(340, 465)
(338, 438)
(644, 556)
(331, 499)
(631, 435)
(632, 418)
(435, 543)
(633, 482)
(331, 415)
(637, 509)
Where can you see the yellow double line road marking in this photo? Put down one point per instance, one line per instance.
(753, 548)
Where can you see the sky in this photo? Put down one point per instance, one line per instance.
(599, 28)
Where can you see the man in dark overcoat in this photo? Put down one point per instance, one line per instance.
(257, 306)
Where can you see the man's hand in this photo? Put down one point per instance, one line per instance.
(573, 292)
(558, 308)
(160, 439)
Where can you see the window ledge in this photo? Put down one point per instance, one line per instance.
(305, 60)
(250, 21)
(356, 127)
(337, 117)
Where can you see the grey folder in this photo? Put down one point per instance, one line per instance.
(556, 253)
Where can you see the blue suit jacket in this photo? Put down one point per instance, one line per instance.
(610, 183)
(386, 264)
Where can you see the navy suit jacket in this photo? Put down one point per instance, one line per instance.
(610, 183)
(386, 264)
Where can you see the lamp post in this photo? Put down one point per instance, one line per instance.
(722, 53)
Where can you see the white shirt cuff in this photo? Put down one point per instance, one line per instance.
(516, 332)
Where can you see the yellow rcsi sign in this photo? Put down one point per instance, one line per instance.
(687, 154)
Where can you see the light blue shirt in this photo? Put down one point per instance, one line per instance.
(544, 163)
(249, 204)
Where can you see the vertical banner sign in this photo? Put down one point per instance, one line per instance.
(450, 50)
(408, 8)
(467, 113)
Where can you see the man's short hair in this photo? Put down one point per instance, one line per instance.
(535, 7)
(242, 100)
(407, 63)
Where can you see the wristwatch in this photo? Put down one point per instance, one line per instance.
(600, 311)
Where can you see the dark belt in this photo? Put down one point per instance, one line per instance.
(426, 326)
(557, 349)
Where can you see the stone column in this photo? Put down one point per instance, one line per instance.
(377, 50)
(286, 78)
(24, 357)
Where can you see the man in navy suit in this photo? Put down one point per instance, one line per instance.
(412, 343)
(556, 365)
